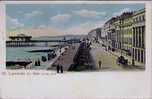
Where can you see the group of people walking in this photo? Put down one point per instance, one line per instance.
(37, 62)
(59, 69)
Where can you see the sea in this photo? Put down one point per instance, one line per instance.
(22, 53)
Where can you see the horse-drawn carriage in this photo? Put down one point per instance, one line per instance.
(122, 60)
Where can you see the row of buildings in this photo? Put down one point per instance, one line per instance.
(125, 34)
(95, 34)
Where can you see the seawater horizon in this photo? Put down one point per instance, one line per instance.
(21, 53)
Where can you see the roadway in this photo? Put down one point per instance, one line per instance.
(107, 59)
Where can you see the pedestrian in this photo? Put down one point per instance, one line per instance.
(58, 68)
(61, 68)
(99, 63)
(60, 50)
(133, 62)
(38, 62)
(24, 66)
(35, 62)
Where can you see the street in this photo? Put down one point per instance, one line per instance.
(108, 60)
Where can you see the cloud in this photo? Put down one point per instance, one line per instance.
(61, 18)
(92, 24)
(42, 26)
(89, 13)
(43, 30)
(36, 32)
(13, 23)
(122, 11)
(84, 28)
(33, 14)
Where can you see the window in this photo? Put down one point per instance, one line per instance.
(138, 55)
(133, 36)
(143, 36)
(135, 54)
(140, 18)
(143, 17)
(140, 36)
(136, 19)
(136, 37)
(142, 57)
(130, 40)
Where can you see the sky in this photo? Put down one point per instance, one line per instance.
(61, 19)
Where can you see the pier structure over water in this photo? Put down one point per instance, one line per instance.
(19, 40)
(26, 41)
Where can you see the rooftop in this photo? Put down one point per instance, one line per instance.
(20, 36)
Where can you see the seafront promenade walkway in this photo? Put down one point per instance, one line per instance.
(47, 64)
(66, 58)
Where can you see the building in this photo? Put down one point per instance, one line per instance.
(20, 37)
(111, 29)
(92, 35)
(105, 30)
(95, 34)
(139, 36)
(125, 33)
(98, 33)
(112, 33)
(19, 41)
(117, 33)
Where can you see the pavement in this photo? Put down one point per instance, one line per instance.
(129, 58)
(47, 64)
(66, 58)
(108, 59)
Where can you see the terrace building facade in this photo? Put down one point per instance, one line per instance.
(117, 34)
(139, 36)
(112, 34)
(126, 34)
(110, 31)
(95, 34)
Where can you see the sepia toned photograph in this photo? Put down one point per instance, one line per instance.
(75, 37)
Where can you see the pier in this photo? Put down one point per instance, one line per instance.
(26, 43)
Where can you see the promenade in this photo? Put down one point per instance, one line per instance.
(47, 64)
(98, 53)
(66, 58)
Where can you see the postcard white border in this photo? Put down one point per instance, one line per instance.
(148, 71)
